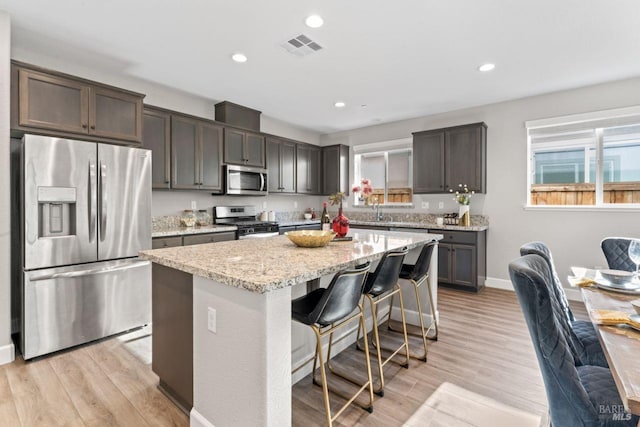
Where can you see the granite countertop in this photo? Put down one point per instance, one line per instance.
(182, 231)
(262, 265)
(421, 225)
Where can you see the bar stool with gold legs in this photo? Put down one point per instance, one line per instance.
(418, 274)
(327, 310)
(380, 285)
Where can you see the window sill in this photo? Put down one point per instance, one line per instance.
(582, 208)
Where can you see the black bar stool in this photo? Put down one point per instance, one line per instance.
(418, 274)
(380, 285)
(326, 310)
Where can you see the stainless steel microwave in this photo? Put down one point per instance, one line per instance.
(243, 180)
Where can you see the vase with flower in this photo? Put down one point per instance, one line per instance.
(340, 224)
(463, 197)
(366, 191)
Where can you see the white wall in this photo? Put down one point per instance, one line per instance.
(574, 237)
(6, 347)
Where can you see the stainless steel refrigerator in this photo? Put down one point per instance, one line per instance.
(85, 212)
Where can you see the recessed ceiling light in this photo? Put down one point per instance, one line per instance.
(486, 67)
(239, 57)
(314, 21)
(339, 104)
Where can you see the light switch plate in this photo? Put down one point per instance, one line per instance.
(295, 205)
(425, 205)
(194, 205)
(264, 205)
(211, 319)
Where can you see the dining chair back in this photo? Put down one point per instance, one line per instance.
(577, 395)
(616, 251)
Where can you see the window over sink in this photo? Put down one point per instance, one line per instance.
(389, 167)
(590, 159)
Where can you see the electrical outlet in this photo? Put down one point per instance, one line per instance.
(295, 205)
(425, 205)
(264, 205)
(194, 205)
(440, 205)
(211, 319)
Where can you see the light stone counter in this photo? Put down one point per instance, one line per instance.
(183, 231)
(263, 265)
(419, 225)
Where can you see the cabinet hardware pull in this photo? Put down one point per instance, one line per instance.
(84, 126)
(93, 127)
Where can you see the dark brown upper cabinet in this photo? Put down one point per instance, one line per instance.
(244, 148)
(335, 167)
(156, 136)
(58, 104)
(444, 158)
(196, 154)
(308, 169)
(281, 164)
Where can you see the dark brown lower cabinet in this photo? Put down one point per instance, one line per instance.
(172, 344)
(462, 259)
(192, 239)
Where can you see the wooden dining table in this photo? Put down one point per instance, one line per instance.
(621, 344)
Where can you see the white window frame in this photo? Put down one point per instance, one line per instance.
(600, 121)
(383, 147)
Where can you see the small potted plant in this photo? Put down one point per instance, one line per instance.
(463, 197)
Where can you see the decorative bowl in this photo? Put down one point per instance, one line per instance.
(617, 277)
(310, 238)
(307, 216)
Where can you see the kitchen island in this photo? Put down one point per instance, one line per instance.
(239, 328)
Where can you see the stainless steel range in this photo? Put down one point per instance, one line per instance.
(244, 217)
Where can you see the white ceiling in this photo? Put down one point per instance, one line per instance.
(401, 59)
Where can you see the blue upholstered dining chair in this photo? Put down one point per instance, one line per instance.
(578, 395)
(616, 251)
(580, 335)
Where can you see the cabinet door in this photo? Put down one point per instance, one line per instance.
(254, 150)
(52, 102)
(234, 147)
(463, 154)
(185, 173)
(156, 136)
(428, 163)
(210, 157)
(444, 263)
(114, 114)
(315, 170)
(273, 165)
(200, 239)
(335, 165)
(288, 167)
(302, 169)
(463, 265)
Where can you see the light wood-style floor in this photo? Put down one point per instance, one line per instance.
(484, 347)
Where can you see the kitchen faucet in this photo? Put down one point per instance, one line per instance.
(376, 207)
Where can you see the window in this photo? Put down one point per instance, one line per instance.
(389, 170)
(588, 159)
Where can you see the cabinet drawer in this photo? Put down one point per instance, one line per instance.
(309, 227)
(468, 237)
(209, 238)
(166, 242)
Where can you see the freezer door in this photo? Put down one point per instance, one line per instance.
(67, 306)
(124, 201)
(59, 201)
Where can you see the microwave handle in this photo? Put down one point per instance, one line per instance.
(262, 183)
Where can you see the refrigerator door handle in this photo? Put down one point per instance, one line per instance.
(89, 272)
(93, 201)
(103, 201)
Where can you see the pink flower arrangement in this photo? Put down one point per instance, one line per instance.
(365, 188)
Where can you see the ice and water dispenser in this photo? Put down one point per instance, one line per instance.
(57, 211)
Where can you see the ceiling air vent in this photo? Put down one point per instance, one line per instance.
(301, 45)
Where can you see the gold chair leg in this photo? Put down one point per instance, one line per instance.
(404, 327)
(433, 312)
(377, 390)
(325, 387)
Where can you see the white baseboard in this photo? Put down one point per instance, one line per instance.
(492, 282)
(196, 419)
(7, 354)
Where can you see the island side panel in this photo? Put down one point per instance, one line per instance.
(242, 372)
(172, 344)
